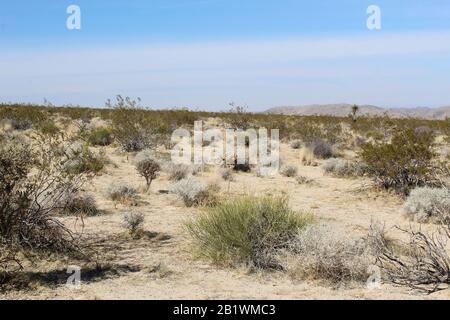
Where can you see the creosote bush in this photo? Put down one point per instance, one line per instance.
(32, 183)
(404, 163)
(322, 149)
(424, 204)
(148, 168)
(100, 137)
(246, 230)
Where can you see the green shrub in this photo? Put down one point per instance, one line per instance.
(84, 160)
(100, 137)
(402, 164)
(48, 127)
(246, 230)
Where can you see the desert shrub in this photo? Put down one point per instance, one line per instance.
(303, 180)
(344, 168)
(48, 127)
(32, 184)
(423, 130)
(193, 192)
(133, 222)
(122, 192)
(246, 230)
(307, 158)
(428, 203)
(296, 144)
(100, 137)
(148, 168)
(319, 253)
(79, 204)
(21, 124)
(178, 171)
(227, 174)
(289, 171)
(402, 164)
(421, 262)
(132, 126)
(321, 149)
(83, 160)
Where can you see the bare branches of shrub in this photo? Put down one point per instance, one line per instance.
(420, 263)
(148, 168)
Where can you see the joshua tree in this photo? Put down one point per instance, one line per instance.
(355, 109)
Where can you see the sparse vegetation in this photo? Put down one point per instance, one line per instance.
(122, 192)
(100, 137)
(426, 203)
(322, 149)
(133, 222)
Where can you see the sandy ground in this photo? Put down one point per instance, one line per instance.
(166, 268)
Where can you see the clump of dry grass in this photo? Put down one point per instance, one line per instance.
(289, 171)
(123, 193)
(319, 253)
(133, 222)
(194, 192)
(80, 204)
(426, 203)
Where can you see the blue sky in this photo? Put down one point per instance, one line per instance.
(206, 53)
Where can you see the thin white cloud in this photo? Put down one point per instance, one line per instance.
(268, 70)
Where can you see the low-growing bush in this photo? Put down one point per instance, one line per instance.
(84, 160)
(178, 171)
(427, 203)
(322, 149)
(319, 253)
(402, 164)
(100, 137)
(148, 168)
(296, 144)
(80, 205)
(48, 127)
(122, 192)
(246, 230)
(193, 192)
(133, 222)
(227, 174)
(344, 168)
(304, 180)
(289, 171)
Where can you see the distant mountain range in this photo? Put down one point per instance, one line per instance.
(343, 110)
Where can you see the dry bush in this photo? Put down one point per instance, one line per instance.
(80, 205)
(122, 192)
(424, 204)
(133, 222)
(289, 171)
(227, 174)
(307, 158)
(246, 230)
(304, 180)
(32, 183)
(194, 192)
(322, 149)
(178, 171)
(320, 253)
(420, 263)
(148, 168)
(296, 144)
(343, 168)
